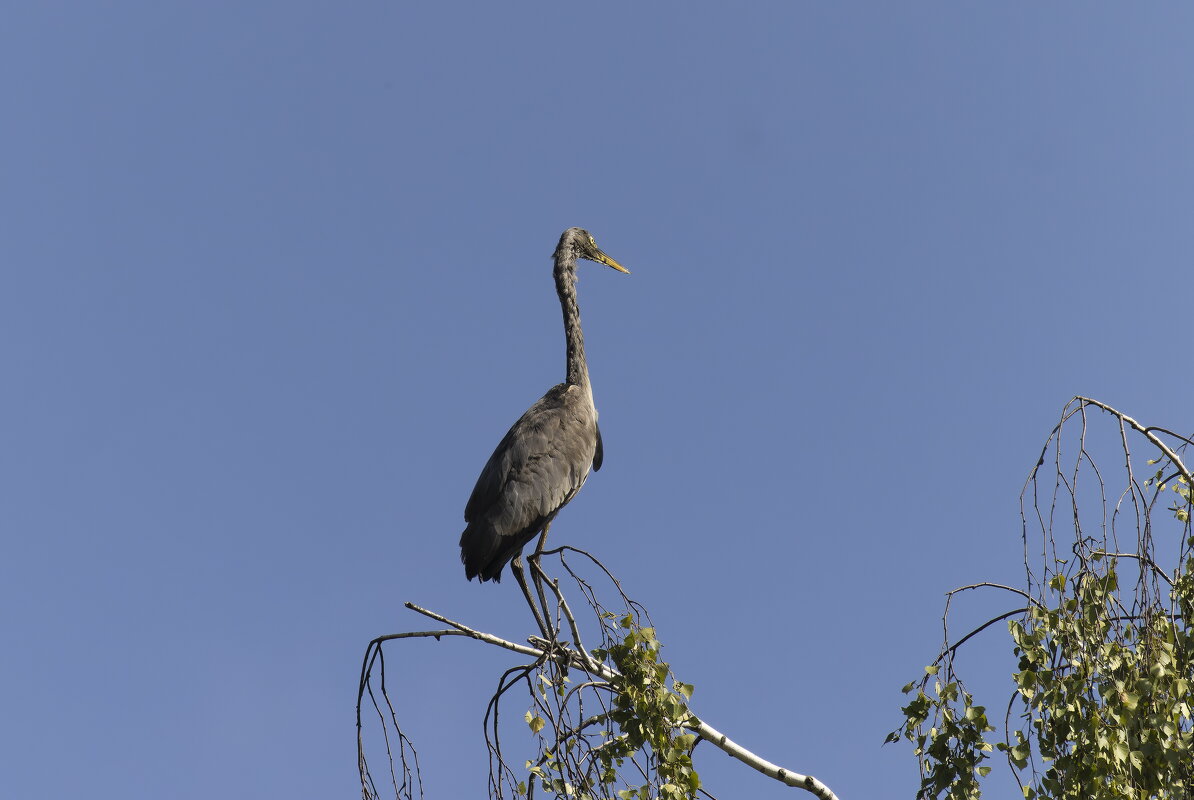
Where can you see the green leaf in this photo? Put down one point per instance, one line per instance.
(535, 722)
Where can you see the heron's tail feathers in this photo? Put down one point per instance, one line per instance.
(480, 547)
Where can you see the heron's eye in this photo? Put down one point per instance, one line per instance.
(592, 242)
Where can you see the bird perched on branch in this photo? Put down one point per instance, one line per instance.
(544, 459)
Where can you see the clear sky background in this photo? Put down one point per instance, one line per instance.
(276, 279)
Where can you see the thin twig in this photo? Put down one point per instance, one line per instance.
(1020, 592)
(949, 651)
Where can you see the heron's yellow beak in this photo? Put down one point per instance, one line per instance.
(609, 262)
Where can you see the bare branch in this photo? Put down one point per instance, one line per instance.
(1160, 573)
(1147, 432)
(948, 651)
(1012, 589)
(464, 630)
(786, 776)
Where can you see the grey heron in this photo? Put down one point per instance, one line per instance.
(545, 457)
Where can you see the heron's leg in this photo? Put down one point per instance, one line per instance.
(516, 568)
(537, 571)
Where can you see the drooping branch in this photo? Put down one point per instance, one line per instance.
(950, 649)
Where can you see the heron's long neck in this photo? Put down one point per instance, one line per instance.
(565, 275)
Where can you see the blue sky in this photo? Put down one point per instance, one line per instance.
(277, 281)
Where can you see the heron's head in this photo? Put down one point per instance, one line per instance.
(581, 243)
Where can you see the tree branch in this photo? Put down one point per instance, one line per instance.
(950, 650)
(1147, 432)
(464, 630)
(987, 584)
(786, 776)
(543, 650)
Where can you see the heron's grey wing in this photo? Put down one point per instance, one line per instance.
(600, 454)
(488, 488)
(536, 469)
(541, 460)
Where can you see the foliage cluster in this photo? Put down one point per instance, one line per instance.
(1101, 704)
(639, 729)
(651, 715)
